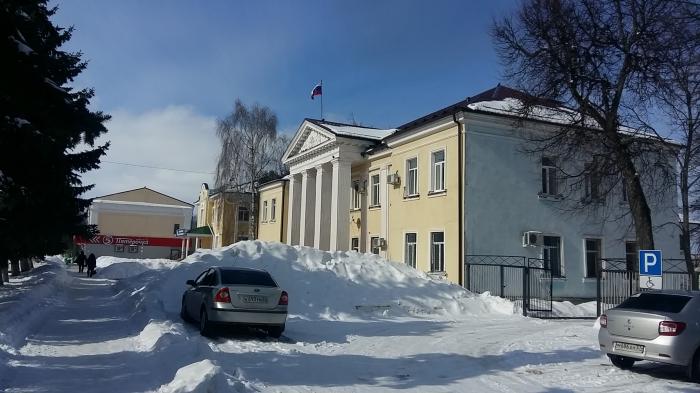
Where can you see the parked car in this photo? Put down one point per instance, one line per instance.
(235, 296)
(660, 326)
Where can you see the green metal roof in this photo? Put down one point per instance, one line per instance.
(204, 231)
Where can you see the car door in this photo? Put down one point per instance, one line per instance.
(204, 289)
(192, 299)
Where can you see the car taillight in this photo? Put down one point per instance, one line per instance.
(604, 321)
(670, 328)
(284, 299)
(222, 296)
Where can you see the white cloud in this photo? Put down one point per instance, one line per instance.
(173, 137)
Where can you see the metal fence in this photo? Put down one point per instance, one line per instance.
(525, 281)
(617, 280)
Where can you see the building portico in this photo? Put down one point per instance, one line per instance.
(320, 159)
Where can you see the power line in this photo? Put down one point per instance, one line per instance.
(157, 167)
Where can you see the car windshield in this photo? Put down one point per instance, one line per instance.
(247, 277)
(656, 302)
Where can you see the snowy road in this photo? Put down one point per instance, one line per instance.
(92, 337)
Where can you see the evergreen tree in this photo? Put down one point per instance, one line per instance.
(47, 134)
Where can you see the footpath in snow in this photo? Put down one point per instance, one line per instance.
(357, 323)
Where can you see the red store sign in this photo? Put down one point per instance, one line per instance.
(132, 240)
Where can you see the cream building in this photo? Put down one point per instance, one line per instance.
(225, 214)
(443, 187)
(140, 223)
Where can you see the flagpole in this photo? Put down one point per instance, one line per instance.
(321, 99)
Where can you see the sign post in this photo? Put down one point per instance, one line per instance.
(650, 269)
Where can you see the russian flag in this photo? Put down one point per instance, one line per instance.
(317, 91)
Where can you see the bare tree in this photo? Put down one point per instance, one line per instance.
(594, 57)
(677, 95)
(248, 136)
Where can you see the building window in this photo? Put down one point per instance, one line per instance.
(374, 242)
(264, 211)
(355, 244)
(356, 195)
(632, 255)
(375, 190)
(118, 248)
(242, 238)
(550, 181)
(273, 209)
(410, 253)
(438, 172)
(175, 228)
(592, 183)
(437, 251)
(243, 214)
(551, 253)
(411, 188)
(133, 248)
(593, 255)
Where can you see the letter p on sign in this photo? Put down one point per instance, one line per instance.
(650, 262)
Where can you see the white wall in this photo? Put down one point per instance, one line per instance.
(501, 202)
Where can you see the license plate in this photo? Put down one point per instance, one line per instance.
(625, 347)
(253, 299)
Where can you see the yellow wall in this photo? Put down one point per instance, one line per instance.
(425, 213)
(272, 230)
(112, 223)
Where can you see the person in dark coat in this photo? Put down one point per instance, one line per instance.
(91, 265)
(81, 260)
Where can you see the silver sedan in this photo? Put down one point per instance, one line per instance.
(235, 296)
(660, 326)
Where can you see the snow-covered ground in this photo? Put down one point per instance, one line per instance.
(357, 323)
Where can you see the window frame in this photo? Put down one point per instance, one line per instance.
(273, 209)
(411, 173)
(545, 261)
(354, 247)
(407, 249)
(586, 251)
(592, 184)
(371, 245)
(375, 190)
(246, 213)
(433, 172)
(549, 177)
(433, 243)
(264, 211)
(356, 196)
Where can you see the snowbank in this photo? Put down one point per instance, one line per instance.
(323, 285)
(118, 268)
(568, 309)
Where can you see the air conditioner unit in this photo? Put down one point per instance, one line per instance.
(393, 179)
(533, 239)
(379, 242)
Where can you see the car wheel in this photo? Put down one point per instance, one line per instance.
(275, 331)
(204, 324)
(694, 367)
(622, 362)
(183, 311)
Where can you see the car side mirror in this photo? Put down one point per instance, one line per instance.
(191, 283)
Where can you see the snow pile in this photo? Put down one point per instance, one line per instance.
(322, 285)
(568, 309)
(117, 268)
(201, 377)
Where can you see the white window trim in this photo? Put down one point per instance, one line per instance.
(562, 263)
(358, 243)
(356, 195)
(415, 194)
(404, 246)
(273, 209)
(602, 247)
(370, 248)
(264, 211)
(379, 190)
(552, 170)
(430, 250)
(432, 171)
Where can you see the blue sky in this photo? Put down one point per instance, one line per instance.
(169, 69)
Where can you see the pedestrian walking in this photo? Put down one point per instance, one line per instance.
(81, 260)
(91, 265)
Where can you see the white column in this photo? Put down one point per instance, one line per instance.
(308, 202)
(196, 243)
(294, 209)
(384, 202)
(340, 206)
(322, 216)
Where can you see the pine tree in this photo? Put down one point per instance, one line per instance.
(47, 134)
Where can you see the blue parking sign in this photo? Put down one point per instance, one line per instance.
(650, 263)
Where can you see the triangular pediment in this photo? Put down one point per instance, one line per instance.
(307, 138)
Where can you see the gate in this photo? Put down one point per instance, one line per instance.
(525, 281)
(617, 280)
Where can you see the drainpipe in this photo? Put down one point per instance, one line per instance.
(460, 207)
